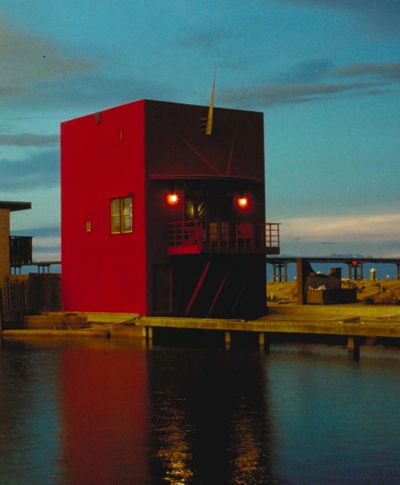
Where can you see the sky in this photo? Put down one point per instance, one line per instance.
(325, 73)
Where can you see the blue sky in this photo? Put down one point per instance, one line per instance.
(326, 74)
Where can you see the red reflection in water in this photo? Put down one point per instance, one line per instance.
(104, 414)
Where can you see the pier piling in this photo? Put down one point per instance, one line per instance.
(353, 347)
(227, 340)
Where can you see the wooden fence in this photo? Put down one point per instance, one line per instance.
(21, 296)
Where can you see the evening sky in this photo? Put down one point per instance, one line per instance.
(325, 73)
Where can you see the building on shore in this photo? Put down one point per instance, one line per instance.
(14, 250)
(163, 211)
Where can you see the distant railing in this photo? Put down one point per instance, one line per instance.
(195, 236)
(20, 250)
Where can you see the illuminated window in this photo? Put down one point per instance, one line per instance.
(121, 215)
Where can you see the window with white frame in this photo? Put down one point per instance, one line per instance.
(121, 215)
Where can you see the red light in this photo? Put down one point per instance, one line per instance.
(243, 202)
(172, 199)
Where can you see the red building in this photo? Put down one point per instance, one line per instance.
(159, 217)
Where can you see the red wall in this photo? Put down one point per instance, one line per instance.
(103, 271)
(161, 146)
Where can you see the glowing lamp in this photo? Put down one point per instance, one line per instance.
(243, 202)
(172, 199)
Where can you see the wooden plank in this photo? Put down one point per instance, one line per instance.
(318, 327)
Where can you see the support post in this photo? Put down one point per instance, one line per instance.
(1, 311)
(398, 271)
(149, 337)
(303, 270)
(263, 342)
(361, 270)
(353, 347)
(285, 275)
(227, 340)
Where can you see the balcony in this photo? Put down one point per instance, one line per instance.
(195, 237)
(20, 250)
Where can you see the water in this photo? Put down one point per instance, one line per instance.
(102, 411)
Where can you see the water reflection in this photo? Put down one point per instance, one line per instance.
(111, 412)
(104, 414)
(29, 419)
(210, 418)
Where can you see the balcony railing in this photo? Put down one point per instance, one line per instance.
(195, 237)
(20, 250)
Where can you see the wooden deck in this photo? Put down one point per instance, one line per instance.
(355, 322)
(349, 326)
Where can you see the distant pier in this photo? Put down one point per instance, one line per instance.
(355, 266)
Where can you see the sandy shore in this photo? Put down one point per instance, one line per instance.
(383, 292)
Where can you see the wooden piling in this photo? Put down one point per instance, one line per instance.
(149, 337)
(227, 340)
(353, 347)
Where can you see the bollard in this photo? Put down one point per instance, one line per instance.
(372, 274)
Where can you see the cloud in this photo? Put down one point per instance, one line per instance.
(39, 171)
(380, 14)
(305, 72)
(92, 92)
(27, 59)
(216, 45)
(28, 140)
(49, 245)
(46, 242)
(41, 231)
(268, 95)
(314, 80)
(209, 39)
(371, 228)
(388, 72)
(46, 255)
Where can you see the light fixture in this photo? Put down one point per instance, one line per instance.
(242, 202)
(172, 199)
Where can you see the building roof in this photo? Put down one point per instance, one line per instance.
(15, 206)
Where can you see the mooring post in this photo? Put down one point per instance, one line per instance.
(227, 340)
(353, 347)
(1, 311)
(263, 342)
(149, 336)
